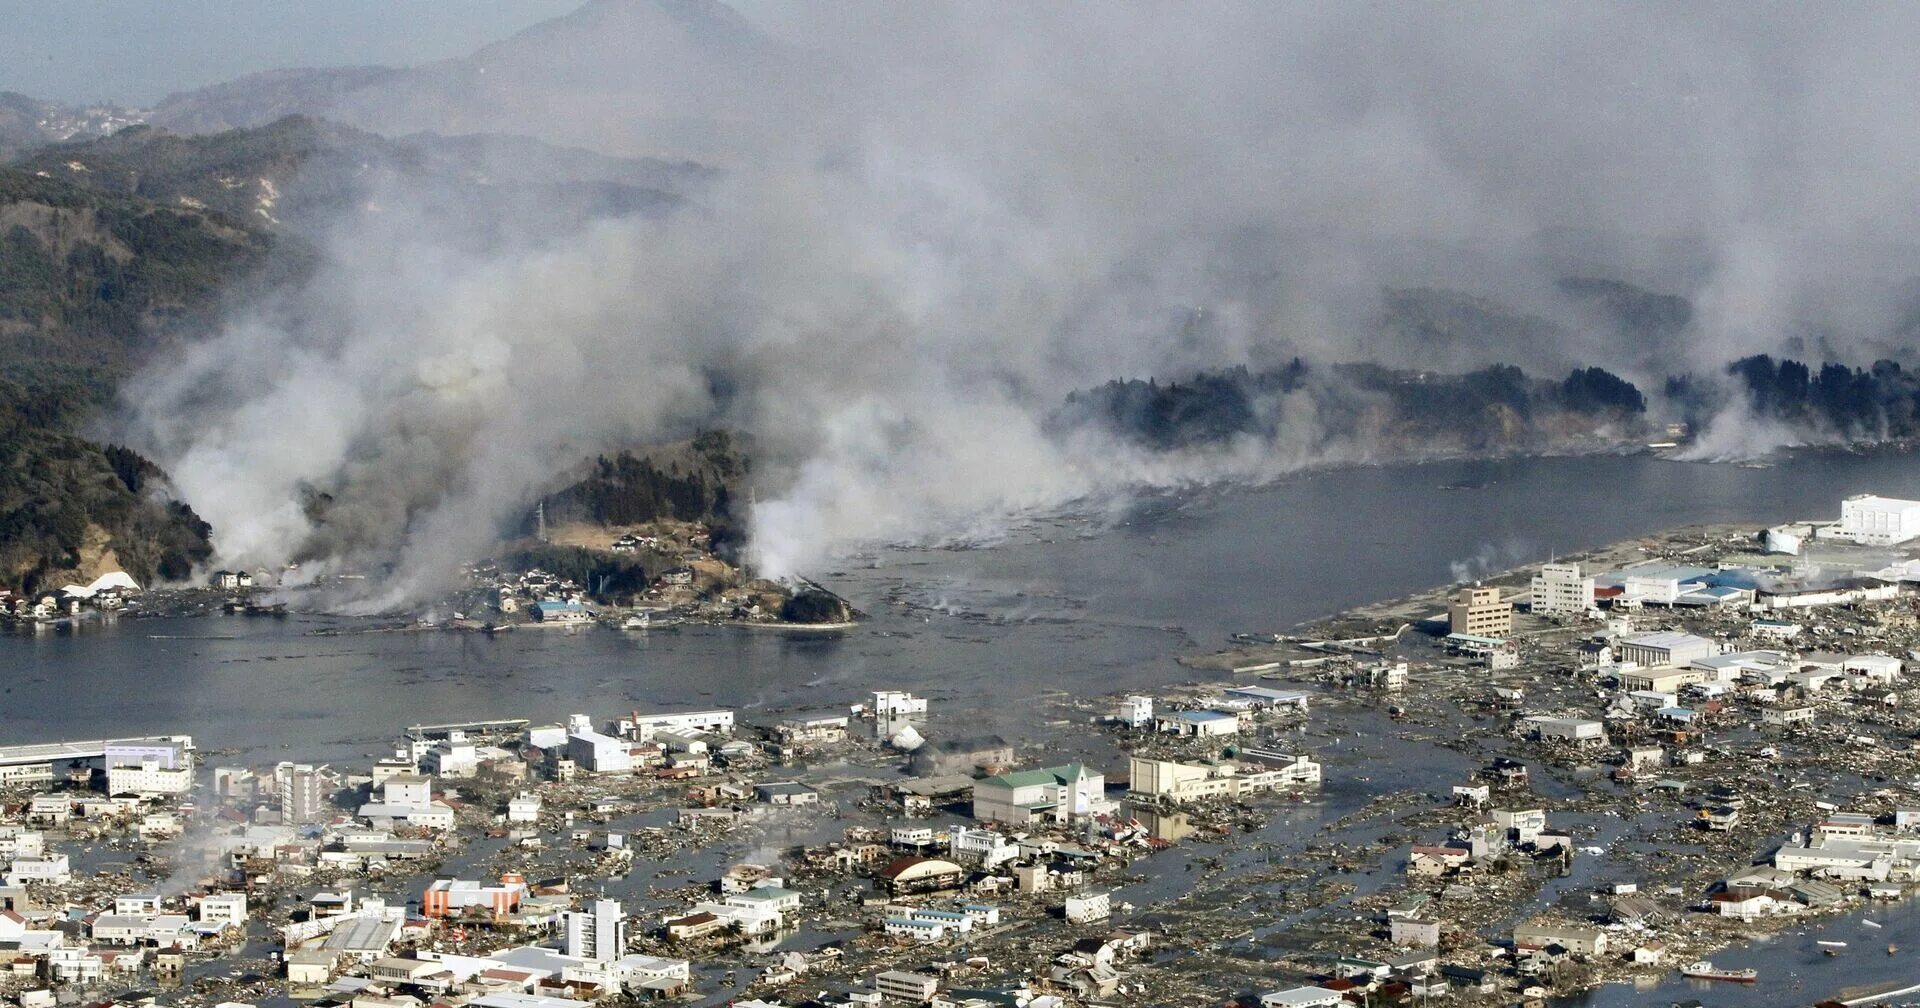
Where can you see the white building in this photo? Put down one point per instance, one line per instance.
(149, 769)
(713, 722)
(599, 753)
(1875, 668)
(1878, 521)
(1049, 794)
(1665, 647)
(904, 986)
(54, 868)
(597, 931)
(225, 909)
(1136, 712)
(928, 931)
(1560, 590)
(1089, 908)
(454, 757)
(149, 778)
(983, 849)
(1202, 723)
(894, 703)
(523, 808)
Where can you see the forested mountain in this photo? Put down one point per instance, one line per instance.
(90, 285)
(1494, 409)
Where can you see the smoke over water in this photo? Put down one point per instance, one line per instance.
(930, 223)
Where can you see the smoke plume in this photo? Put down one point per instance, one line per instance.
(932, 221)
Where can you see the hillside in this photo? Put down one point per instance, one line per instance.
(93, 283)
(1493, 410)
(90, 285)
(299, 173)
(695, 481)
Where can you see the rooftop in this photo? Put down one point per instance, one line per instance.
(1035, 778)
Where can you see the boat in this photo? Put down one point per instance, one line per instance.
(637, 621)
(1834, 944)
(1871, 924)
(1704, 970)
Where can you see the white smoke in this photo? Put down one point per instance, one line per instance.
(934, 221)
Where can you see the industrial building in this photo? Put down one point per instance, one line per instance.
(1878, 521)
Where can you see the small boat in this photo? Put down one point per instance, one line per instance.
(637, 621)
(1893, 949)
(1871, 924)
(1704, 970)
(1834, 944)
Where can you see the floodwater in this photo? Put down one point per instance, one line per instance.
(1063, 604)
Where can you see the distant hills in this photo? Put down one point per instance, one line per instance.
(661, 65)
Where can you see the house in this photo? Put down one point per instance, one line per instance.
(694, 925)
(523, 808)
(1634, 909)
(1781, 717)
(1748, 903)
(1198, 723)
(1472, 795)
(1432, 862)
(765, 898)
(786, 793)
(230, 580)
(1719, 818)
(1050, 794)
(1586, 941)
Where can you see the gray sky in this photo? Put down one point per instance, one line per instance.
(136, 51)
